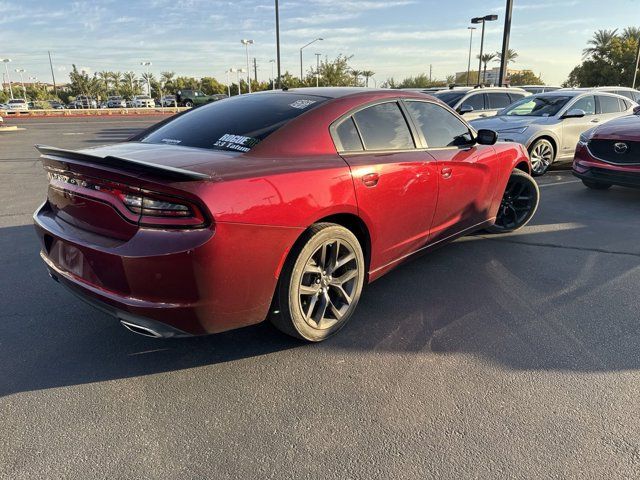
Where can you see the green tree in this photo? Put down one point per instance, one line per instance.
(525, 77)
(367, 74)
(116, 80)
(610, 59)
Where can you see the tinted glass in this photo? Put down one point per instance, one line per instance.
(348, 136)
(624, 104)
(383, 127)
(237, 123)
(476, 101)
(625, 93)
(498, 100)
(537, 106)
(588, 104)
(439, 126)
(516, 96)
(608, 104)
(449, 97)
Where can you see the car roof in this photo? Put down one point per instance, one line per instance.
(483, 89)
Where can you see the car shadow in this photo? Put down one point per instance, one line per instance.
(536, 300)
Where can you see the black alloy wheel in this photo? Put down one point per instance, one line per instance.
(519, 203)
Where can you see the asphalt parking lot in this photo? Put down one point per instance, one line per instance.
(493, 357)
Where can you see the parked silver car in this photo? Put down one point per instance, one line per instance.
(630, 93)
(549, 124)
(477, 102)
(538, 88)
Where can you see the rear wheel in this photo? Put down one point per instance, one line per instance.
(519, 203)
(320, 284)
(596, 185)
(188, 103)
(542, 155)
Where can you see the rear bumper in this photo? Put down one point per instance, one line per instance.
(591, 169)
(173, 283)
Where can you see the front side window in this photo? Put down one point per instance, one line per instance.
(239, 123)
(608, 104)
(588, 104)
(383, 127)
(439, 126)
(451, 98)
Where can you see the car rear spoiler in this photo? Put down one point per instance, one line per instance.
(164, 171)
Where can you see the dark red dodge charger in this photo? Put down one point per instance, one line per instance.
(277, 205)
(610, 154)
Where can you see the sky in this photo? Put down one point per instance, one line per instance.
(393, 38)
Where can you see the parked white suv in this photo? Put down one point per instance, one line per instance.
(628, 92)
(17, 105)
(143, 101)
(478, 102)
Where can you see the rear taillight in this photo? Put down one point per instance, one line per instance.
(143, 207)
(158, 210)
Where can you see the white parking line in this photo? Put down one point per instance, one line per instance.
(73, 133)
(558, 183)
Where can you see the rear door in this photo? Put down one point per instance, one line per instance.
(396, 184)
(467, 171)
(609, 107)
(496, 101)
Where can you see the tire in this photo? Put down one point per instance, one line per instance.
(519, 203)
(311, 302)
(596, 185)
(188, 103)
(543, 154)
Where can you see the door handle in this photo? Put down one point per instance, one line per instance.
(370, 179)
(446, 172)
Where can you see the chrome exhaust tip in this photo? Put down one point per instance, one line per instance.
(140, 330)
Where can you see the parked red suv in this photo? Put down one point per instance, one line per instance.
(610, 154)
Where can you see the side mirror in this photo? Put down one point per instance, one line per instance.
(465, 109)
(636, 110)
(574, 113)
(486, 137)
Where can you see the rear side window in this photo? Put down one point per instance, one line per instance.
(348, 138)
(237, 123)
(476, 101)
(625, 93)
(499, 100)
(383, 127)
(516, 96)
(608, 104)
(439, 126)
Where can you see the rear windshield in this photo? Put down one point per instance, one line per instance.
(238, 123)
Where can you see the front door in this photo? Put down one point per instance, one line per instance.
(467, 172)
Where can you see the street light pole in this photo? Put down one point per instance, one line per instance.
(482, 20)
(147, 64)
(273, 80)
(302, 48)
(6, 67)
(246, 44)
(24, 90)
(239, 71)
(318, 69)
(278, 41)
(231, 70)
(505, 43)
(471, 29)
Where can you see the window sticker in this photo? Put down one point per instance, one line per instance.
(236, 142)
(302, 104)
(171, 141)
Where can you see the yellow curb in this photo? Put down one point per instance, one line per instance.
(13, 128)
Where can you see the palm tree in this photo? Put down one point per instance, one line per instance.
(116, 78)
(105, 77)
(631, 33)
(485, 59)
(367, 74)
(147, 78)
(356, 74)
(511, 56)
(600, 43)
